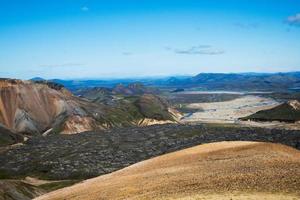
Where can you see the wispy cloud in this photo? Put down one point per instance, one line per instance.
(62, 65)
(84, 8)
(294, 20)
(197, 50)
(246, 25)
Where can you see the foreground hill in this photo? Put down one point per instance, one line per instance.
(286, 112)
(34, 108)
(225, 170)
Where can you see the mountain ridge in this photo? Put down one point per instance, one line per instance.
(207, 81)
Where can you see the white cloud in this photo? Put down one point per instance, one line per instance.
(294, 20)
(199, 49)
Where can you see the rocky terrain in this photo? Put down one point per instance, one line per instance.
(285, 112)
(225, 170)
(41, 107)
(92, 154)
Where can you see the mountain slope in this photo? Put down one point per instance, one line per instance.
(8, 137)
(16, 190)
(30, 108)
(242, 170)
(40, 107)
(33, 108)
(286, 112)
(135, 99)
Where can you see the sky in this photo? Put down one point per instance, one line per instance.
(132, 38)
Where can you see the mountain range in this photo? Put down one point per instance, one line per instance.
(243, 81)
(205, 81)
(43, 107)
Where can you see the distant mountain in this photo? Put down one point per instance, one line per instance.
(105, 95)
(101, 94)
(206, 81)
(37, 79)
(37, 107)
(74, 85)
(134, 89)
(286, 112)
(244, 81)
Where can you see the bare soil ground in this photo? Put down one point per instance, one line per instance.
(224, 170)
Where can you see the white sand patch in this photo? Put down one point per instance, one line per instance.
(229, 111)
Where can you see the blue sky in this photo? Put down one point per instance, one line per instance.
(123, 38)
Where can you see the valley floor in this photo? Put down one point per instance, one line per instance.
(229, 112)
